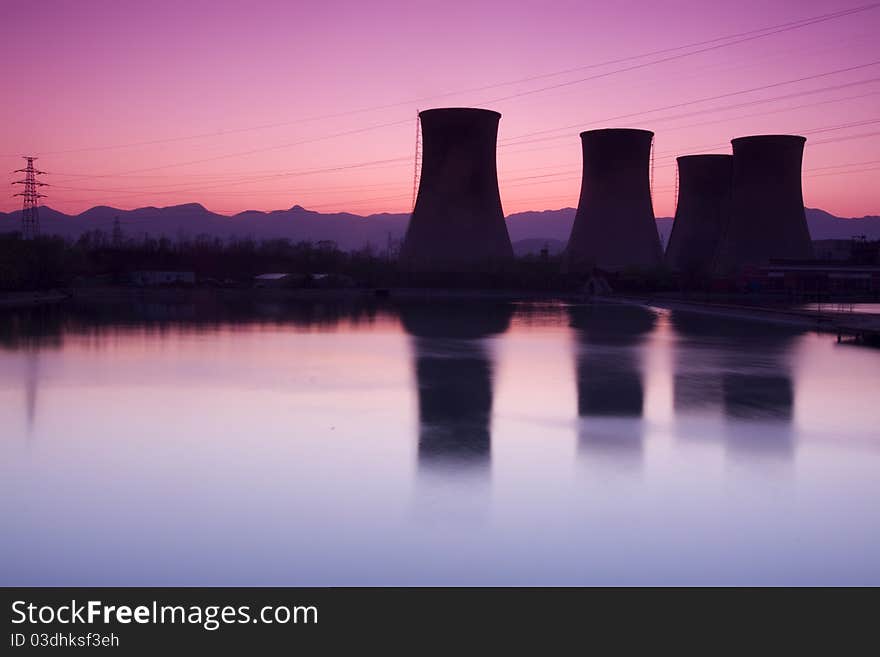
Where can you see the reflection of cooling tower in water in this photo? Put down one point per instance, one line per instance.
(738, 369)
(457, 224)
(739, 365)
(699, 362)
(767, 217)
(614, 226)
(759, 394)
(453, 368)
(759, 402)
(701, 212)
(608, 370)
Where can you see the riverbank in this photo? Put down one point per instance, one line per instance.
(173, 294)
(750, 306)
(847, 325)
(30, 299)
(857, 326)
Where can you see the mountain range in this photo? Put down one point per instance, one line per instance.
(529, 231)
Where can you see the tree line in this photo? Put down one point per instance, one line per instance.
(100, 256)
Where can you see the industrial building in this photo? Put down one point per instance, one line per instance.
(457, 223)
(838, 279)
(767, 219)
(614, 227)
(856, 250)
(148, 278)
(701, 212)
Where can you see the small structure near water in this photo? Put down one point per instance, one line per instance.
(150, 277)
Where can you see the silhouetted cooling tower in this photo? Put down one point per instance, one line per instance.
(767, 217)
(614, 226)
(457, 224)
(701, 214)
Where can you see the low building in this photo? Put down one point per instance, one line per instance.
(279, 279)
(151, 277)
(815, 277)
(331, 280)
(857, 250)
(837, 250)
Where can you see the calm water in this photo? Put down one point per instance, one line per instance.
(326, 444)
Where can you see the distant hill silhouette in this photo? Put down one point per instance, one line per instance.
(529, 231)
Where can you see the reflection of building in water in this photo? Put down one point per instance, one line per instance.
(26, 332)
(453, 368)
(609, 377)
(740, 369)
(31, 385)
(180, 310)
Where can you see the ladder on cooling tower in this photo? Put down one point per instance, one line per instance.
(417, 162)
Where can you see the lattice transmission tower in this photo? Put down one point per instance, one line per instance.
(30, 214)
(676, 187)
(417, 161)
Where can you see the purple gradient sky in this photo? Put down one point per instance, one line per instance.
(94, 74)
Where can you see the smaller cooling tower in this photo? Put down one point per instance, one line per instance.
(614, 226)
(767, 217)
(457, 224)
(701, 213)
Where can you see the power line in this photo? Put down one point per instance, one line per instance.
(710, 44)
(246, 180)
(691, 102)
(270, 148)
(238, 180)
(512, 182)
(670, 58)
(663, 155)
(737, 106)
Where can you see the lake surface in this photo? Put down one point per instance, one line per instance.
(297, 443)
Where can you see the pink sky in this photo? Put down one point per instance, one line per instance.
(224, 88)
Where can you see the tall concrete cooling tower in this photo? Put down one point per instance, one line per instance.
(457, 224)
(701, 213)
(614, 226)
(767, 217)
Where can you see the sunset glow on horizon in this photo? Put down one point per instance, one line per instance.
(271, 104)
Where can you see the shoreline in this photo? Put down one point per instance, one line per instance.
(860, 327)
(855, 326)
(768, 309)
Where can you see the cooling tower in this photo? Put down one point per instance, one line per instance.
(767, 217)
(701, 212)
(457, 224)
(614, 226)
